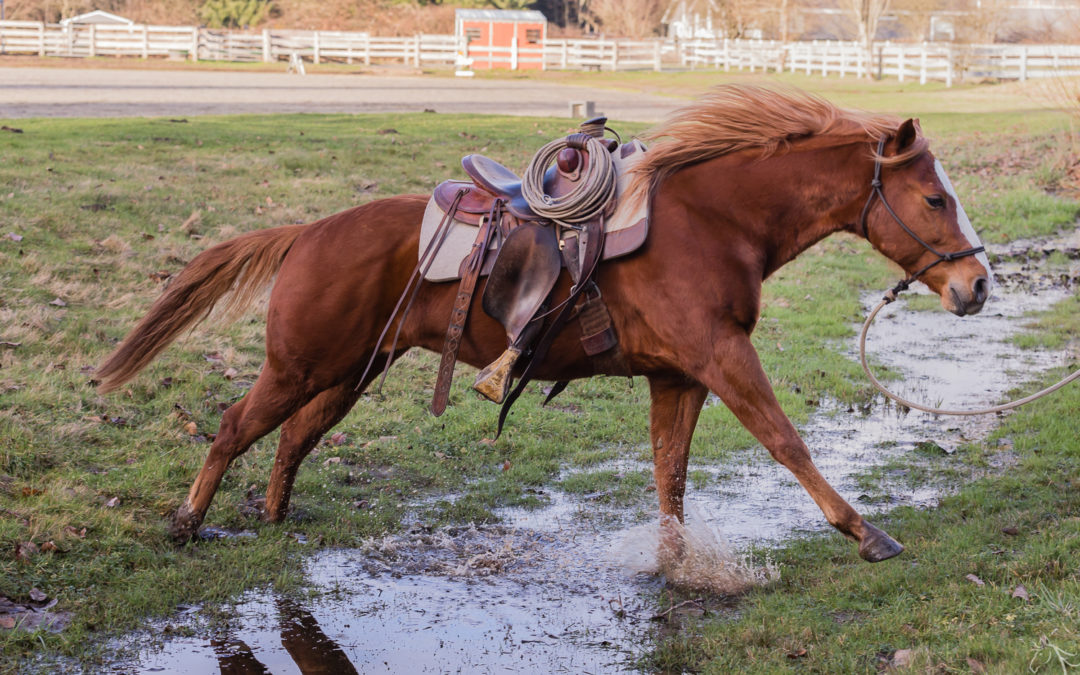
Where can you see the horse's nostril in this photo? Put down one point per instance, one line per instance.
(982, 289)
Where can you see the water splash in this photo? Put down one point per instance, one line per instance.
(694, 556)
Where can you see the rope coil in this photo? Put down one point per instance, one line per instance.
(889, 297)
(589, 197)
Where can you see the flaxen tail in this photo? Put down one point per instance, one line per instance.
(244, 265)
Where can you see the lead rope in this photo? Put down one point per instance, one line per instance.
(889, 297)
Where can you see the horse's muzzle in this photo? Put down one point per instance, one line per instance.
(963, 301)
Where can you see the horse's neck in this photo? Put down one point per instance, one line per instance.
(788, 202)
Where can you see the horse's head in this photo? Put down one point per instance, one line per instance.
(914, 217)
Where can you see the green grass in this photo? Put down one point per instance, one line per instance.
(1014, 529)
(107, 208)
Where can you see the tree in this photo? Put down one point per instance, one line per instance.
(866, 14)
(234, 13)
(628, 18)
(915, 16)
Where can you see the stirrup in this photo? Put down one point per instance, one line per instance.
(493, 382)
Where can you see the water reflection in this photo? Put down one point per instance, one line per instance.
(305, 641)
(312, 652)
(235, 658)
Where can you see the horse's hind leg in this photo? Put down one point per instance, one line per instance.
(301, 433)
(673, 415)
(269, 403)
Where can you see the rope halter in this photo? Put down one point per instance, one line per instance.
(876, 192)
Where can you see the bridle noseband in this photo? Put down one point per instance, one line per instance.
(875, 191)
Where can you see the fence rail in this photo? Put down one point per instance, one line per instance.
(925, 62)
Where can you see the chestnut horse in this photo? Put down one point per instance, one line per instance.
(740, 183)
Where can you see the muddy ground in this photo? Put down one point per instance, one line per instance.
(575, 586)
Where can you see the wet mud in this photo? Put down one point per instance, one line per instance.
(576, 586)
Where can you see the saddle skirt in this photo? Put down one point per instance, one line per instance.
(626, 228)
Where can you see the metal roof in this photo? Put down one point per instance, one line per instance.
(530, 15)
(98, 16)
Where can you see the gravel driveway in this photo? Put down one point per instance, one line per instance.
(89, 92)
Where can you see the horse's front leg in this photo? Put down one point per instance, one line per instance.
(736, 375)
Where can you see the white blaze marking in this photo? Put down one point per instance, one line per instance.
(965, 224)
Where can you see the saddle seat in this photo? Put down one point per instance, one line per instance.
(501, 182)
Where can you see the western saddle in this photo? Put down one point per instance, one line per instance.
(521, 231)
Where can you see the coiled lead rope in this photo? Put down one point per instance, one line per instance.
(938, 411)
(589, 197)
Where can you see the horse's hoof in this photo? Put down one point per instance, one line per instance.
(274, 516)
(184, 524)
(877, 546)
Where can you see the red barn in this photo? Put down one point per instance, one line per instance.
(502, 38)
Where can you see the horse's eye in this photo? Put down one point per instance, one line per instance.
(935, 201)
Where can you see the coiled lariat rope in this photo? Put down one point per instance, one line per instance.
(589, 197)
(889, 297)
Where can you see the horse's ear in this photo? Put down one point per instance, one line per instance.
(907, 133)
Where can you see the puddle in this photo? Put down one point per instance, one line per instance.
(554, 590)
(476, 600)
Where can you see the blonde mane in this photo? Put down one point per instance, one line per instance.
(734, 117)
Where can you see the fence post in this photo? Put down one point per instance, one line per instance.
(657, 65)
(901, 65)
(825, 61)
(565, 53)
(266, 45)
(615, 54)
(315, 47)
(727, 56)
(1023, 64)
(513, 53)
(948, 66)
(41, 39)
(145, 41)
(416, 53)
(808, 55)
(367, 49)
(93, 40)
(194, 44)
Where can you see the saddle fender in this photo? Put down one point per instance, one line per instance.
(522, 277)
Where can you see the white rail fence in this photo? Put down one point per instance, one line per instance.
(924, 62)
